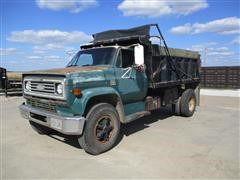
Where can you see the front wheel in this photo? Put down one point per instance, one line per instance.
(101, 129)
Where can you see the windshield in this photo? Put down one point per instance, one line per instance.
(93, 57)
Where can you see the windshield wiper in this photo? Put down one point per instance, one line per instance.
(72, 65)
(86, 65)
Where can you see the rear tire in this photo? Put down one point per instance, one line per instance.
(176, 107)
(40, 129)
(101, 129)
(188, 103)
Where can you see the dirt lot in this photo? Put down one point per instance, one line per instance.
(159, 146)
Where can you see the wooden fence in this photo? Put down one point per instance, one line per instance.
(10, 82)
(221, 77)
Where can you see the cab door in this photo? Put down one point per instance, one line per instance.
(131, 83)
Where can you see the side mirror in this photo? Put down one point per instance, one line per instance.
(139, 54)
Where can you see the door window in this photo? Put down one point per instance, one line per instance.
(125, 58)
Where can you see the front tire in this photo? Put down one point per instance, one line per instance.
(101, 129)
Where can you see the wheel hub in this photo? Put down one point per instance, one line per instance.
(104, 129)
(191, 104)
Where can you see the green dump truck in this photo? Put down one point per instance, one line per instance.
(117, 78)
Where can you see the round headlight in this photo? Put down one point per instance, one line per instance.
(59, 88)
(28, 85)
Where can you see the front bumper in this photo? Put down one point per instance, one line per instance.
(66, 125)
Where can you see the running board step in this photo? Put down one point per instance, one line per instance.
(136, 115)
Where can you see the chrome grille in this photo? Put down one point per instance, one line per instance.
(43, 87)
(42, 105)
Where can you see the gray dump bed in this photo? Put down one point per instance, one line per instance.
(181, 67)
(181, 53)
(174, 52)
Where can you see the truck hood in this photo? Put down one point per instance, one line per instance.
(68, 70)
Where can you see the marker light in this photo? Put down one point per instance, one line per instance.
(76, 92)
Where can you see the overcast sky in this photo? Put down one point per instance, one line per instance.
(40, 34)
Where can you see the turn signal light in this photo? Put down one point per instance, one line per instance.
(76, 92)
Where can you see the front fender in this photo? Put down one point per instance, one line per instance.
(80, 103)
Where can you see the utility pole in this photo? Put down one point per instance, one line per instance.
(205, 56)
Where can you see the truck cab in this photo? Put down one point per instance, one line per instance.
(117, 78)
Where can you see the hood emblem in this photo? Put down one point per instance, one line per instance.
(40, 87)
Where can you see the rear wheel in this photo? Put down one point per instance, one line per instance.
(40, 129)
(188, 103)
(176, 107)
(101, 129)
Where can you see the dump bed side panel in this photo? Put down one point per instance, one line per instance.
(186, 62)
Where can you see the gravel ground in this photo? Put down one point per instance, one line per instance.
(159, 146)
(221, 92)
